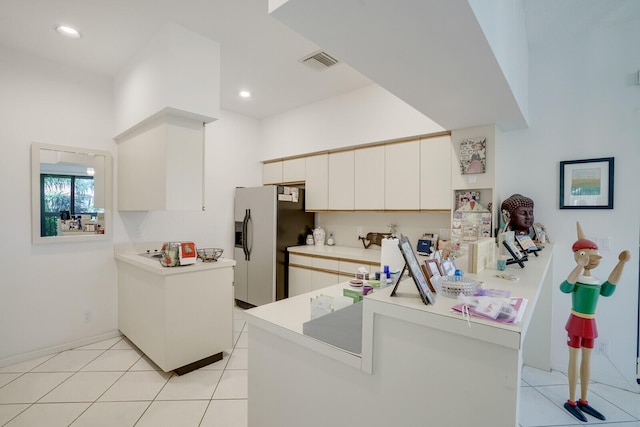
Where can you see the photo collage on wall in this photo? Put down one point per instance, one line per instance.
(471, 220)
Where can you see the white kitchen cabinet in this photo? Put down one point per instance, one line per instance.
(294, 170)
(317, 182)
(322, 279)
(299, 280)
(160, 166)
(272, 173)
(402, 176)
(284, 171)
(369, 178)
(435, 173)
(308, 273)
(306, 279)
(341, 181)
(180, 317)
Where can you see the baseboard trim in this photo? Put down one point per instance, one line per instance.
(58, 348)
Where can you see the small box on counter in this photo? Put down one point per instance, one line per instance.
(352, 293)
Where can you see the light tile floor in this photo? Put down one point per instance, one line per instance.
(544, 393)
(111, 383)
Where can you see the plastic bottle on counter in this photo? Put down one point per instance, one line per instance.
(387, 276)
(330, 240)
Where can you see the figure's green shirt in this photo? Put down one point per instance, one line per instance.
(584, 296)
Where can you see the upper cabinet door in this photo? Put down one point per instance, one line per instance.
(317, 182)
(272, 173)
(369, 178)
(402, 176)
(341, 180)
(293, 170)
(435, 173)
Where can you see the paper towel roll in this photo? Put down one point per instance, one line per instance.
(391, 255)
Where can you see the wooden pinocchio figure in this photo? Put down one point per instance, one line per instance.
(581, 326)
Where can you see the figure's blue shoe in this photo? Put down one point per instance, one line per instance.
(584, 406)
(573, 410)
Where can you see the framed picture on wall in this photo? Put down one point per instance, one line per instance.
(586, 184)
(473, 156)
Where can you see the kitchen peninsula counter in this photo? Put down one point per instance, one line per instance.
(420, 364)
(180, 317)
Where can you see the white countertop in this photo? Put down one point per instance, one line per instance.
(153, 265)
(371, 255)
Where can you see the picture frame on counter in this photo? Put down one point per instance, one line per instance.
(517, 257)
(427, 295)
(527, 244)
(587, 183)
(448, 267)
(432, 269)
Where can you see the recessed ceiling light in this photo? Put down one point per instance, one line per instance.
(244, 94)
(68, 31)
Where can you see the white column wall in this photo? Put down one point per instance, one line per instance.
(46, 290)
(584, 104)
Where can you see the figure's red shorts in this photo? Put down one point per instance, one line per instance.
(582, 332)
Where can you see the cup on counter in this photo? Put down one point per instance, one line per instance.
(502, 263)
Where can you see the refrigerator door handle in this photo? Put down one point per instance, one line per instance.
(249, 235)
(244, 234)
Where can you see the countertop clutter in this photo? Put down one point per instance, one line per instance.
(130, 254)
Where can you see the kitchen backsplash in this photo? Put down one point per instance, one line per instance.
(344, 225)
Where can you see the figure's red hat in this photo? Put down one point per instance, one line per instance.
(583, 244)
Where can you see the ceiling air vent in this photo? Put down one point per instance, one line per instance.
(319, 60)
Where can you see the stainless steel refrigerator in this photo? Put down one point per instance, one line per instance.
(267, 221)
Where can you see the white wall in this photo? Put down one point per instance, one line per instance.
(365, 115)
(157, 78)
(584, 104)
(45, 290)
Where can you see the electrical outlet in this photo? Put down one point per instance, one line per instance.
(359, 230)
(603, 347)
(87, 316)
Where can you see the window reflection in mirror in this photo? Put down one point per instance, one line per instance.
(71, 193)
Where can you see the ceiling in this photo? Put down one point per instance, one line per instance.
(257, 52)
(261, 54)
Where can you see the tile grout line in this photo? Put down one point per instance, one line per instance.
(29, 405)
(108, 388)
(235, 343)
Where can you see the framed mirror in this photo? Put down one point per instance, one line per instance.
(70, 194)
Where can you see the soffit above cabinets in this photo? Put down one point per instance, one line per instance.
(435, 55)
